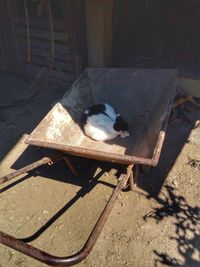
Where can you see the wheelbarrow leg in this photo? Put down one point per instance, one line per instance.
(70, 165)
(133, 177)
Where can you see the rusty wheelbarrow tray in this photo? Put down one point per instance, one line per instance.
(142, 96)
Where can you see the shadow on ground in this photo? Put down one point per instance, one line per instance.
(187, 228)
(178, 131)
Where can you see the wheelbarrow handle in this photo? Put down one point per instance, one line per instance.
(32, 166)
(44, 257)
(28, 168)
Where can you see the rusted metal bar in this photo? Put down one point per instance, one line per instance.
(129, 171)
(98, 155)
(43, 161)
(133, 178)
(161, 137)
(44, 257)
(70, 165)
(181, 101)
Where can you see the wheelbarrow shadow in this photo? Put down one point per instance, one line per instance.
(87, 185)
(177, 135)
(87, 180)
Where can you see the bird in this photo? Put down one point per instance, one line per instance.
(100, 122)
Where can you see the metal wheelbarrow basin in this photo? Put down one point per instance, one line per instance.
(142, 96)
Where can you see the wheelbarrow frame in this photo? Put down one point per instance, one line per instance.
(128, 178)
(44, 257)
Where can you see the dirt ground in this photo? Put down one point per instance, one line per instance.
(159, 225)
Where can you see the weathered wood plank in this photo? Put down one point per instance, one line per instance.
(63, 82)
(44, 52)
(43, 61)
(32, 70)
(60, 48)
(42, 34)
(40, 23)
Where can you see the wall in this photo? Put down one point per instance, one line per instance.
(99, 32)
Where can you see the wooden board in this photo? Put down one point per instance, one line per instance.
(43, 50)
(56, 78)
(40, 23)
(42, 34)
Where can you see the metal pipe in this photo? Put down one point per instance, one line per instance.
(70, 165)
(134, 178)
(83, 253)
(87, 153)
(43, 161)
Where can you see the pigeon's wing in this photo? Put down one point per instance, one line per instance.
(110, 111)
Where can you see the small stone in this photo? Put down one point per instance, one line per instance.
(175, 183)
(45, 212)
(61, 226)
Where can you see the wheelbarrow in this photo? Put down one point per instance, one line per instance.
(142, 96)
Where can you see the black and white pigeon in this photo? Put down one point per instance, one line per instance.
(101, 122)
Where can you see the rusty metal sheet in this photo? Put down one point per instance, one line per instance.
(142, 96)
